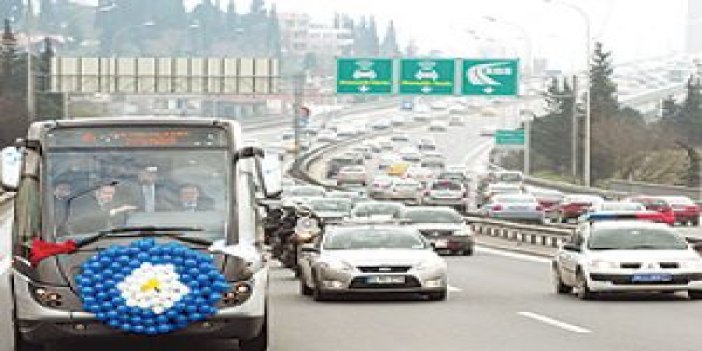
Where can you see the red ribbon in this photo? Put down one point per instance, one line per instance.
(42, 249)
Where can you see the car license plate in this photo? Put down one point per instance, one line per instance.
(645, 278)
(386, 279)
(441, 243)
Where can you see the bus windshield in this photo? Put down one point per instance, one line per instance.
(92, 190)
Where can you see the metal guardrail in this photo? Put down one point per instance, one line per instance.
(550, 236)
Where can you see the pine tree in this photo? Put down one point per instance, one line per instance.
(669, 108)
(551, 135)
(691, 111)
(603, 99)
(389, 46)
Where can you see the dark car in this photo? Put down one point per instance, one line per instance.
(686, 211)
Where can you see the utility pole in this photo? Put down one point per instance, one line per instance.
(527, 145)
(298, 91)
(574, 131)
(30, 76)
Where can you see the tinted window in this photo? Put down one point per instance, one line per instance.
(429, 216)
(373, 238)
(635, 238)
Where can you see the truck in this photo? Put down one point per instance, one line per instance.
(135, 227)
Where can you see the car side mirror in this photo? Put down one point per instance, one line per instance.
(309, 248)
(269, 169)
(10, 168)
(697, 246)
(571, 247)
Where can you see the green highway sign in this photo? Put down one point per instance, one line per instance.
(490, 77)
(427, 76)
(364, 76)
(509, 139)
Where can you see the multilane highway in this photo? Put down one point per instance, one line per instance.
(497, 301)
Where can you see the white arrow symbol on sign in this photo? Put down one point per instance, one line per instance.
(426, 89)
(363, 88)
(480, 74)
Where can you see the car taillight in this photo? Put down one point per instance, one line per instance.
(539, 208)
(497, 208)
(692, 208)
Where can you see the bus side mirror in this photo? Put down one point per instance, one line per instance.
(10, 168)
(270, 170)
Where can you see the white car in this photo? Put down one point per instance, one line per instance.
(445, 192)
(626, 255)
(400, 138)
(398, 120)
(488, 131)
(420, 174)
(388, 159)
(410, 154)
(426, 144)
(352, 175)
(421, 116)
(407, 190)
(327, 136)
(363, 258)
(381, 187)
(385, 144)
(438, 126)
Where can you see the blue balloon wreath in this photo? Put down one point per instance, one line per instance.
(149, 288)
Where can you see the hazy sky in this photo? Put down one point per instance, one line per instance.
(631, 28)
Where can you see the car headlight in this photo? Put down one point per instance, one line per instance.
(602, 264)
(339, 266)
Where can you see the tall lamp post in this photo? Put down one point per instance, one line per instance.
(588, 85)
(29, 15)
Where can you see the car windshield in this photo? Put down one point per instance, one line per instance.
(331, 205)
(636, 238)
(98, 190)
(377, 209)
(433, 216)
(308, 191)
(373, 239)
(446, 186)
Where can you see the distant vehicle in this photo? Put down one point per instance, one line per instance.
(353, 196)
(327, 136)
(436, 164)
(407, 105)
(352, 175)
(398, 120)
(456, 121)
(421, 116)
(400, 138)
(522, 207)
(385, 144)
(385, 161)
(685, 210)
(438, 126)
(496, 189)
(410, 154)
(406, 190)
(337, 162)
(458, 175)
(381, 124)
(439, 105)
(366, 258)
(509, 177)
(446, 193)
(398, 169)
(443, 227)
(573, 206)
(381, 187)
(331, 209)
(287, 135)
(426, 144)
(377, 209)
(420, 174)
(345, 132)
(299, 194)
(625, 256)
(657, 204)
(547, 198)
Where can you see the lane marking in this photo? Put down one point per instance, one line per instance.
(513, 255)
(555, 323)
(454, 289)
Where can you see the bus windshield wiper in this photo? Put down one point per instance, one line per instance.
(171, 232)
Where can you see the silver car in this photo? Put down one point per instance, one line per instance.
(523, 207)
(371, 259)
(331, 209)
(377, 209)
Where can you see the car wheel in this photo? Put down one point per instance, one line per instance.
(260, 341)
(468, 252)
(695, 222)
(317, 293)
(561, 288)
(694, 294)
(438, 296)
(582, 290)
(21, 345)
(304, 289)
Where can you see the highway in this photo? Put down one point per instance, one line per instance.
(497, 301)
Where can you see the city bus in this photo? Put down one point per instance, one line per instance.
(137, 227)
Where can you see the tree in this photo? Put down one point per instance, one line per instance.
(603, 99)
(13, 85)
(669, 108)
(689, 120)
(389, 46)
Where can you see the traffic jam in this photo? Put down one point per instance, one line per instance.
(387, 208)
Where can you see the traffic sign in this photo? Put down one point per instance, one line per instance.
(492, 77)
(364, 76)
(427, 76)
(509, 138)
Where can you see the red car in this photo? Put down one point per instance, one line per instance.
(573, 206)
(684, 209)
(659, 204)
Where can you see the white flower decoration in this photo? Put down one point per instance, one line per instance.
(153, 287)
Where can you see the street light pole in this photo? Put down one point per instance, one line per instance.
(588, 86)
(524, 35)
(30, 76)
